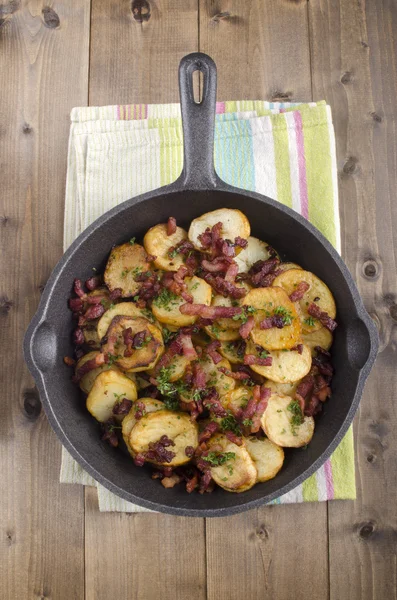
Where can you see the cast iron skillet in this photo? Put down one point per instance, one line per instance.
(197, 190)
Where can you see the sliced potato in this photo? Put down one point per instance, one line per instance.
(238, 473)
(234, 224)
(287, 365)
(221, 334)
(158, 243)
(87, 381)
(91, 336)
(124, 264)
(269, 301)
(277, 423)
(177, 367)
(151, 405)
(166, 306)
(237, 398)
(109, 387)
(142, 358)
(127, 309)
(221, 382)
(286, 266)
(230, 351)
(254, 251)
(318, 292)
(268, 457)
(176, 426)
(283, 389)
(322, 337)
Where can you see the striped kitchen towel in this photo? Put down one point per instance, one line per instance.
(283, 150)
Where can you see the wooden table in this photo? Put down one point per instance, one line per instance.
(54, 542)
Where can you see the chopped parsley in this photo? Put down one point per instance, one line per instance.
(166, 299)
(144, 342)
(112, 358)
(285, 314)
(217, 459)
(215, 330)
(119, 397)
(310, 321)
(248, 422)
(263, 354)
(245, 313)
(171, 403)
(230, 423)
(167, 335)
(169, 389)
(148, 315)
(297, 416)
(195, 286)
(132, 241)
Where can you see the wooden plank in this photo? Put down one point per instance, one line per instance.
(354, 68)
(254, 555)
(43, 71)
(143, 556)
(146, 555)
(261, 48)
(136, 48)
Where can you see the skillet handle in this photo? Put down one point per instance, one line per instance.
(198, 122)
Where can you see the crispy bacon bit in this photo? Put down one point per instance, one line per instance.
(220, 264)
(138, 339)
(212, 351)
(92, 283)
(192, 483)
(205, 481)
(210, 312)
(70, 362)
(225, 288)
(150, 257)
(231, 273)
(274, 321)
(252, 359)
(247, 327)
(261, 269)
(76, 305)
(78, 336)
(123, 407)
(235, 439)
(298, 348)
(140, 410)
(299, 292)
(189, 451)
(315, 311)
(171, 225)
(241, 242)
(306, 386)
(313, 407)
(323, 363)
(88, 366)
(99, 299)
(187, 346)
(93, 312)
(158, 450)
(239, 375)
(322, 351)
(199, 377)
(115, 294)
(213, 403)
(139, 459)
(109, 434)
(78, 288)
(129, 341)
(208, 431)
(255, 408)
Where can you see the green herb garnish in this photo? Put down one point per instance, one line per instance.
(248, 422)
(285, 314)
(165, 299)
(112, 358)
(132, 241)
(230, 423)
(297, 415)
(310, 321)
(217, 459)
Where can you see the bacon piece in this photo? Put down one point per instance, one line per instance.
(260, 408)
(315, 311)
(205, 481)
(211, 350)
(246, 328)
(235, 439)
(261, 268)
(96, 299)
(306, 386)
(70, 362)
(218, 265)
(78, 336)
(140, 410)
(76, 305)
(158, 450)
(239, 375)
(208, 431)
(171, 225)
(93, 312)
(299, 292)
(323, 366)
(92, 283)
(241, 242)
(139, 460)
(313, 406)
(213, 403)
(298, 348)
(88, 366)
(199, 377)
(109, 434)
(231, 272)
(192, 483)
(123, 407)
(225, 288)
(187, 347)
(78, 288)
(274, 321)
(115, 294)
(252, 359)
(210, 312)
(189, 451)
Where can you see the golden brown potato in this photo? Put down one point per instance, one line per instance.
(91, 336)
(124, 264)
(141, 358)
(158, 243)
(151, 405)
(109, 388)
(287, 365)
(268, 457)
(268, 302)
(318, 293)
(126, 309)
(254, 251)
(284, 424)
(221, 382)
(87, 381)
(166, 306)
(233, 352)
(286, 266)
(237, 398)
(176, 426)
(283, 389)
(234, 224)
(232, 468)
(321, 337)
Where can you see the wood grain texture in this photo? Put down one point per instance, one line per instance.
(43, 72)
(252, 44)
(354, 68)
(143, 556)
(136, 47)
(261, 48)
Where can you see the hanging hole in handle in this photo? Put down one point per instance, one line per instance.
(198, 80)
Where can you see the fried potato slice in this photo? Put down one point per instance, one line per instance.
(287, 365)
(231, 351)
(126, 309)
(109, 388)
(221, 382)
(268, 457)
(221, 334)
(142, 358)
(267, 302)
(254, 251)
(176, 426)
(238, 473)
(278, 423)
(234, 224)
(166, 306)
(124, 264)
(158, 243)
(322, 337)
(283, 389)
(91, 338)
(237, 398)
(286, 266)
(177, 367)
(87, 381)
(151, 405)
(318, 292)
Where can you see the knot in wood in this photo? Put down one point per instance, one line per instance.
(262, 533)
(347, 77)
(141, 10)
(26, 128)
(350, 165)
(377, 118)
(371, 458)
(9, 7)
(31, 403)
(222, 16)
(367, 530)
(393, 312)
(5, 306)
(51, 19)
(370, 269)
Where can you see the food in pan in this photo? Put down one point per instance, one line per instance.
(203, 352)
